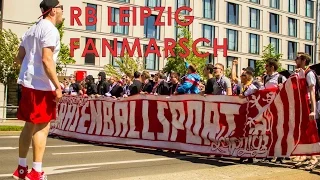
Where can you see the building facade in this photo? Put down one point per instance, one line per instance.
(249, 25)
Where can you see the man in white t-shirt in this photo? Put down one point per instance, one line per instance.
(41, 89)
(273, 79)
(302, 62)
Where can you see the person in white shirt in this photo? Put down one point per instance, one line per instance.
(302, 62)
(273, 79)
(41, 89)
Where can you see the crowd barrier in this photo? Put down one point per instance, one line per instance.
(270, 123)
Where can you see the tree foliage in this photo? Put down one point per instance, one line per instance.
(176, 64)
(64, 57)
(268, 52)
(9, 45)
(126, 64)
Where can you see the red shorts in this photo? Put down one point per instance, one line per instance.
(37, 106)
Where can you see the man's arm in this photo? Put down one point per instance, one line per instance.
(312, 92)
(228, 87)
(20, 56)
(50, 66)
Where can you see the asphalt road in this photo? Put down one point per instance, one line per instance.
(79, 161)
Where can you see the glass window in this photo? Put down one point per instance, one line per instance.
(254, 18)
(309, 50)
(119, 48)
(291, 67)
(274, 23)
(181, 3)
(309, 31)
(178, 31)
(90, 58)
(233, 13)
(209, 7)
(151, 31)
(208, 33)
(254, 43)
(293, 6)
(275, 4)
(210, 59)
(232, 39)
(116, 18)
(124, 1)
(93, 27)
(292, 50)
(292, 27)
(153, 3)
(151, 61)
(309, 8)
(275, 43)
(255, 1)
(252, 63)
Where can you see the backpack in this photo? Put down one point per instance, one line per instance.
(280, 78)
(317, 87)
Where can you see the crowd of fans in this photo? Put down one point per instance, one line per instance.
(217, 83)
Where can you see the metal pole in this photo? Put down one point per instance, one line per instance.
(315, 51)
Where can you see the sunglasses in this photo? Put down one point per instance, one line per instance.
(60, 6)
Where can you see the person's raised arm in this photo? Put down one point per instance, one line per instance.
(234, 71)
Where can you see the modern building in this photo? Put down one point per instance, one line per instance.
(249, 25)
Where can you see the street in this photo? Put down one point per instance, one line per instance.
(65, 159)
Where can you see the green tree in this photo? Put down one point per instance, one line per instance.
(176, 64)
(126, 64)
(64, 57)
(268, 52)
(9, 45)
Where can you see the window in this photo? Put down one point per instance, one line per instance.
(309, 31)
(181, 3)
(291, 67)
(229, 63)
(232, 39)
(293, 6)
(309, 8)
(153, 3)
(254, 43)
(209, 7)
(292, 50)
(233, 13)
(116, 18)
(210, 59)
(292, 27)
(150, 30)
(255, 1)
(274, 23)
(254, 18)
(124, 1)
(208, 33)
(309, 50)
(119, 48)
(90, 58)
(252, 63)
(151, 61)
(93, 27)
(178, 31)
(275, 43)
(275, 4)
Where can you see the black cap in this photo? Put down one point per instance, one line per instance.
(47, 5)
(248, 69)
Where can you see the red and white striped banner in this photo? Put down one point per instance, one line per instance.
(266, 124)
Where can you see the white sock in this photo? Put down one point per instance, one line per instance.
(23, 162)
(37, 166)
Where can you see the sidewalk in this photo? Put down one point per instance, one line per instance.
(12, 123)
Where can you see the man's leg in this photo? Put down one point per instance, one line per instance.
(24, 142)
(39, 141)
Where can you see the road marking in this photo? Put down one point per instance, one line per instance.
(89, 152)
(9, 137)
(71, 168)
(57, 146)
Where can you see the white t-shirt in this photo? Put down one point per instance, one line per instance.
(40, 35)
(311, 80)
(272, 81)
(251, 90)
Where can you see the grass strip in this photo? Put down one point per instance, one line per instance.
(11, 128)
